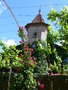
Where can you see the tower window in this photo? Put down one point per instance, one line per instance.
(35, 34)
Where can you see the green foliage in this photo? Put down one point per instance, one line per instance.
(8, 56)
(56, 63)
(40, 55)
(22, 65)
(23, 80)
(65, 69)
(22, 33)
(25, 67)
(52, 37)
(60, 20)
(54, 68)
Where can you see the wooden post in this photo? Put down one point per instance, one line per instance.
(9, 78)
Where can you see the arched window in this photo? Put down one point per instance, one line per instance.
(35, 34)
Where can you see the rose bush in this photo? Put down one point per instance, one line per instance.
(22, 64)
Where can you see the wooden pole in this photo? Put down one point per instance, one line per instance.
(9, 79)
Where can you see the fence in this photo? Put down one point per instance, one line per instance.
(59, 82)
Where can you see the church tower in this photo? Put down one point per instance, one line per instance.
(37, 29)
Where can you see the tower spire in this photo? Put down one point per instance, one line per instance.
(40, 10)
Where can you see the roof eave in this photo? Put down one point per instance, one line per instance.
(35, 24)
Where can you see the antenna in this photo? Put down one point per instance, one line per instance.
(40, 9)
(11, 12)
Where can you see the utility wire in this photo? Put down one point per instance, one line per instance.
(8, 32)
(5, 16)
(31, 7)
(11, 12)
(20, 15)
(9, 23)
(38, 6)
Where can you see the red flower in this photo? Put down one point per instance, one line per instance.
(21, 55)
(30, 58)
(38, 83)
(18, 30)
(34, 62)
(31, 49)
(21, 27)
(26, 48)
(21, 41)
(19, 60)
(22, 61)
(17, 69)
(26, 42)
(29, 63)
(42, 87)
(33, 58)
(30, 53)
(18, 56)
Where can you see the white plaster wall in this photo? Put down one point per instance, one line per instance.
(41, 33)
(44, 35)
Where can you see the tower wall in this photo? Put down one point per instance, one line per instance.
(35, 32)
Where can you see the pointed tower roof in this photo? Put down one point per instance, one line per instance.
(38, 18)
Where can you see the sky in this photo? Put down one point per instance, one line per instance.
(25, 11)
